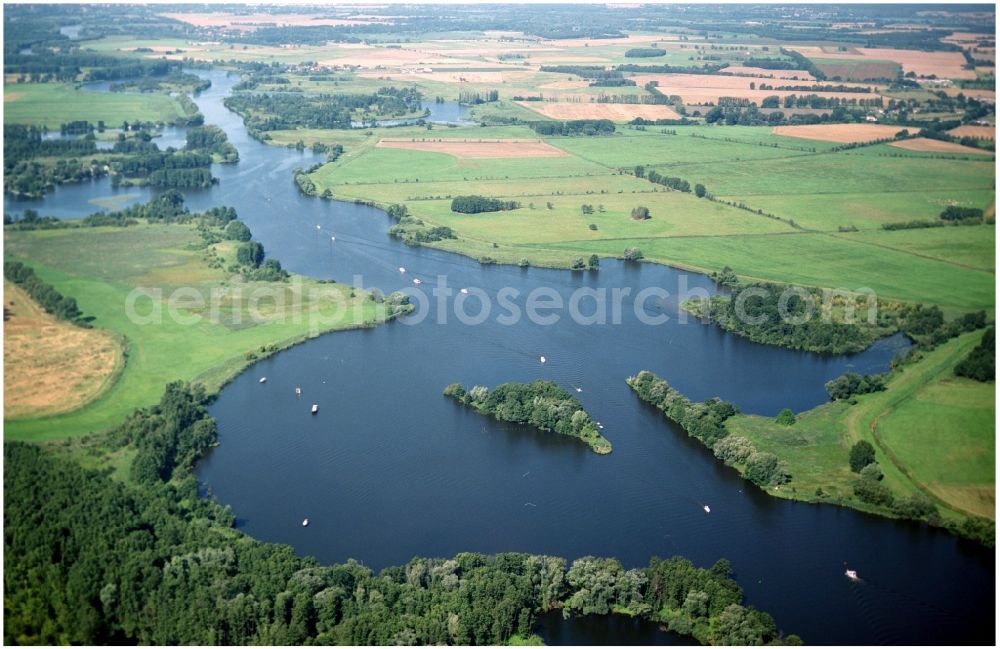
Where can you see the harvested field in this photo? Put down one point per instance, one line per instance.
(859, 71)
(484, 148)
(565, 85)
(978, 93)
(927, 145)
(615, 112)
(708, 88)
(945, 65)
(51, 366)
(566, 58)
(840, 133)
(978, 132)
(794, 75)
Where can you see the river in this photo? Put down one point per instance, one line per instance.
(391, 469)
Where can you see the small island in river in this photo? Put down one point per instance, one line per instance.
(541, 404)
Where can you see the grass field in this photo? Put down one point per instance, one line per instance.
(101, 266)
(795, 180)
(52, 366)
(933, 432)
(52, 104)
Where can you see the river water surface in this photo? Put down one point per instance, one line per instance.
(391, 469)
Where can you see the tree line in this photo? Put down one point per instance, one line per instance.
(542, 404)
(54, 302)
(588, 127)
(706, 422)
(678, 184)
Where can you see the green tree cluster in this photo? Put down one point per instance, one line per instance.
(477, 204)
(542, 404)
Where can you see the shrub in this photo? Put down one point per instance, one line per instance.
(872, 492)
(862, 454)
(632, 254)
(871, 472)
(237, 231)
(786, 417)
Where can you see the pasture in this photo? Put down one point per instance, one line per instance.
(933, 432)
(777, 179)
(52, 104)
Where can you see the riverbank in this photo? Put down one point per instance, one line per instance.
(192, 319)
(950, 464)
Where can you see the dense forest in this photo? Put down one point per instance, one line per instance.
(269, 112)
(541, 404)
(92, 559)
(25, 175)
(765, 313)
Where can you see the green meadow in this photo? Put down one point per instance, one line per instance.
(52, 104)
(933, 432)
(100, 267)
(812, 191)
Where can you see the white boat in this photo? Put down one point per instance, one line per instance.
(263, 379)
(417, 281)
(708, 510)
(579, 389)
(298, 391)
(305, 522)
(852, 575)
(402, 270)
(315, 409)
(319, 227)
(541, 358)
(333, 238)
(465, 291)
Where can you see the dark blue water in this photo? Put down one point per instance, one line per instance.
(390, 469)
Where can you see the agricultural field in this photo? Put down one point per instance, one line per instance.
(52, 366)
(840, 133)
(943, 65)
(978, 132)
(614, 112)
(791, 183)
(100, 266)
(477, 148)
(52, 104)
